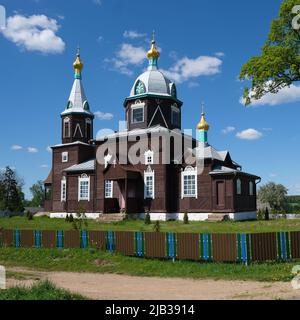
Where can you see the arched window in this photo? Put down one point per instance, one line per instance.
(67, 128)
(139, 87)
(88, 128)
(251, 188)
(238, 186)
(86, 106)
(189, 183)
(174, 91)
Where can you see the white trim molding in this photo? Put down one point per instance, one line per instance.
(149, 157)
(108, 189)
(84, 179)
(149, 177)
(135, 106)
(189, 172)
(63, 190)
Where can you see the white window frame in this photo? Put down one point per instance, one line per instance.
(109, 184)
(138, 106)
(149, 157)
(65, 156)
(149, 174)
(251, 188)
(81, 179)
(189, 171)
(239, 186)
(67, 133)
(175, 109)
(63, 190)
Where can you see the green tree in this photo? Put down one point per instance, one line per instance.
(278, 65)
(11, 195)
(273, 194)
(38, 194)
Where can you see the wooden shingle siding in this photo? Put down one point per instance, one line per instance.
(97, 239)
(188, 246)
(48, 239)
(295, 244)
(72, 239)
(224, 247)
(155, 245)
(8, 238)
(125, 243)
(263, 246)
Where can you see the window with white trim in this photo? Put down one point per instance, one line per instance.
(137, 113)
(63, 190)
(109, 187)
(67, 128)
(175, 115)
(251, 188)
(149, 157)
(238, 186)
(149, 189)
(84, 188)
(65, 157)
(189, 183)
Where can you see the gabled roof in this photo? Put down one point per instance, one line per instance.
(71, 144)
(222, 170)
(84, 166)
(206, 151)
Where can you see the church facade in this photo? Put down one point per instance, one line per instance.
(152, 166)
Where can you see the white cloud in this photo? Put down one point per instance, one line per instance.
(34, 33)
(220, 54)
(97, 2)
(127, 55)
(131, 34)
(16, 147)
(44, 166)
(228, 129)
(103, 115)
(249, 134)
(286, 95)
(32, 150)
(186, 68)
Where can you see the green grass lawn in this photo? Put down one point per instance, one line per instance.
(45, 223)
(92, 260)
(41, 291)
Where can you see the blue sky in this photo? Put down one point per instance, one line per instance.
(203, 45)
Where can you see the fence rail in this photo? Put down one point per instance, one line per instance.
(241, 247)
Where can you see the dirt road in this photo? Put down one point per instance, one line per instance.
(111, 286)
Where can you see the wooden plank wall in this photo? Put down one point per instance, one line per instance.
(125, 243)
(155, 245)
(98, 239)
(295, 244)
(72, 239)
(224, 247)
(263, 246)
(188, 247)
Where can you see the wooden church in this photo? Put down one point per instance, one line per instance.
(151, 167)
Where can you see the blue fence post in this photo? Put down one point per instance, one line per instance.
(17, 238)
(37, 239)
(83, 239)
(171, 245)
(110, 243)
(60, 239)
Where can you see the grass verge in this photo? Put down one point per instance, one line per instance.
(92, 260)
(45, 223)
(44, 290)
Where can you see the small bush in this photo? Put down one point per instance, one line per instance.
(186, 218)
(67, 218)
(29, 215)
(147, 218)
(156, 226)
(71, 218)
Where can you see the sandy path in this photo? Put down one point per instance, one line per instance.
(115, 287)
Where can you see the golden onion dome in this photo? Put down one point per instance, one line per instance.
(78, 65)
(153, 53)
(203, 125)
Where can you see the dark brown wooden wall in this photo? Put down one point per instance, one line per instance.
(295, 244)
(125, 243)
(155, 245)
(188, 246)
(224, 247)
(263, 246)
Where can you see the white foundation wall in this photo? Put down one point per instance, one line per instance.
(62, 215)
(237, 216)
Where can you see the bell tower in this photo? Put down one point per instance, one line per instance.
(77, 119)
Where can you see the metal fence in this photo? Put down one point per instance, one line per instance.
(241, 247)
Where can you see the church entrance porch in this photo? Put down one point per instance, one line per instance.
(126, 188)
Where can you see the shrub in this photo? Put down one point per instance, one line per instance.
(186, 218)
(67, 218)
(71, 218)
(156, 226)
(29, 215)
(147, 218)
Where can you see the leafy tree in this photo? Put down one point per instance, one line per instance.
(273, 194)
(38, 194)
(11, 195)
(278, 65)
(156, 226)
